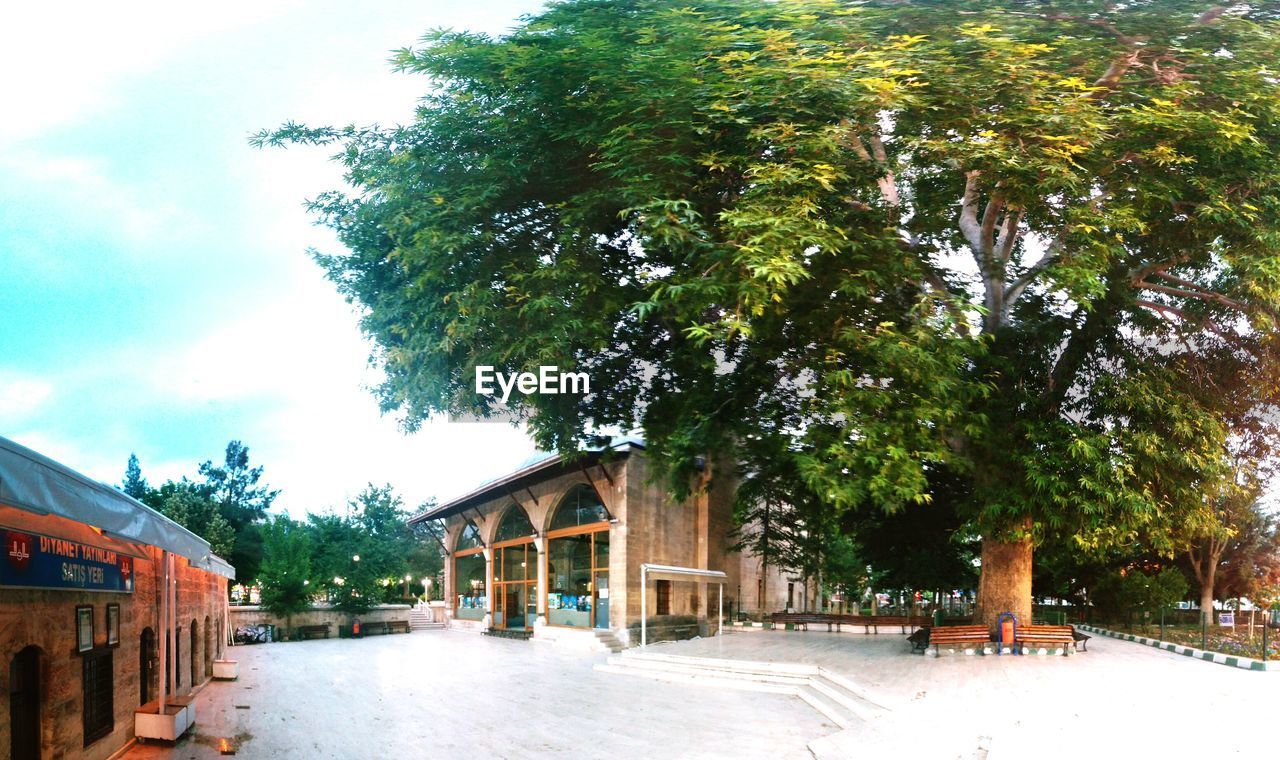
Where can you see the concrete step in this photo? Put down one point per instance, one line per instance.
(693, 671)
(837, 697)
(609, 639)
(697, 680)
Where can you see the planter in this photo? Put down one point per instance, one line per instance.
(226, 670)
(177, 717)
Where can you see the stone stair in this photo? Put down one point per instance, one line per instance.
(836, 697)
(609, 639)
(420, 620)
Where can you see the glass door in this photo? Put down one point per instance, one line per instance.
(600, 611)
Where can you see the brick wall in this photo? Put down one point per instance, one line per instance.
(46, 619)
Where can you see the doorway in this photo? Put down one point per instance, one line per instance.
(24, 705)
(146, 664)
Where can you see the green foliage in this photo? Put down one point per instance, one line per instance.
(1034, 247)
(134, 484)
(244, 502)
(189, 505)
(375, 530)
(285, 575)
(1120, 592)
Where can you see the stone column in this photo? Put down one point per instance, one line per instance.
(540, 543)
(450, 590)
(488, 588)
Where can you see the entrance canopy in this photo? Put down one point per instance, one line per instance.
(675, 573)
(36, 484)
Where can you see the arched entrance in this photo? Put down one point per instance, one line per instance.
(146, 664)
(208, 646)
(195, 655)
(24, 705)
(470, 598)
(578, 561)
(515, 572)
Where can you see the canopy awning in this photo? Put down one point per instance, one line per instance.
(673, 573)
(34, 483)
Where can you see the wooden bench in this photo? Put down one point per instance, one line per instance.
(903, 622)
(398, 626)
(1048, 636)
(374, 629)
(314, 631)
(803, 619)
(958, 635)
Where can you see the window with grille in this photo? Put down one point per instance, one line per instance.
(99, 700)
(664, 597)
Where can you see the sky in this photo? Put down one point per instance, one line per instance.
(156, 293)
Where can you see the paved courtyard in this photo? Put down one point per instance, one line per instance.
(453, 694)
(460, 695)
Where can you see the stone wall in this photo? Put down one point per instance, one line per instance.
(46, 619)
(254, 615)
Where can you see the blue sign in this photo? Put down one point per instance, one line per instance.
(35, 561)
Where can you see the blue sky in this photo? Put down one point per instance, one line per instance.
(156, 294)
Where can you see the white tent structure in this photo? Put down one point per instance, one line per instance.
(674, 573)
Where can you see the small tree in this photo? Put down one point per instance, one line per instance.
(134, 484)
(285, 574)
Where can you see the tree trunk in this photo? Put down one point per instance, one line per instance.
(1005, 582)
(1206, 595)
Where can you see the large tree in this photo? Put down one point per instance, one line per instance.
(243, 501)
(1002, 237)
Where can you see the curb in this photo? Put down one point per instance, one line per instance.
(1244, 663)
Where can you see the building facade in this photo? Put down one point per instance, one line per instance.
(80, 625)
(554, 550)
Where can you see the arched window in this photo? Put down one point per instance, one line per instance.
(581, 506)
(470, 538)
(515, 572)
(471, 600)
(515, 525)
(578, 561)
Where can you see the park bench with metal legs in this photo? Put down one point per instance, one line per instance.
(398, 626)
(320, 631)
(950, 636)
(1045, 636)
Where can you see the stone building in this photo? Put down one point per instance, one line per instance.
(554, 551)
(81, 632)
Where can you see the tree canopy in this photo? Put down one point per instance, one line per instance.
(1026, 242)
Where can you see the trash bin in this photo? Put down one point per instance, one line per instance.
(937, 618)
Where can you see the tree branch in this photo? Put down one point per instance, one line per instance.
(1051, 255)
(887, 181)
(1199, 294)
(969, 225)
(1009, 234)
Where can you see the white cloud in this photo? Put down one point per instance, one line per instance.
(65, 59)
(324, 439)
(21, 397)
